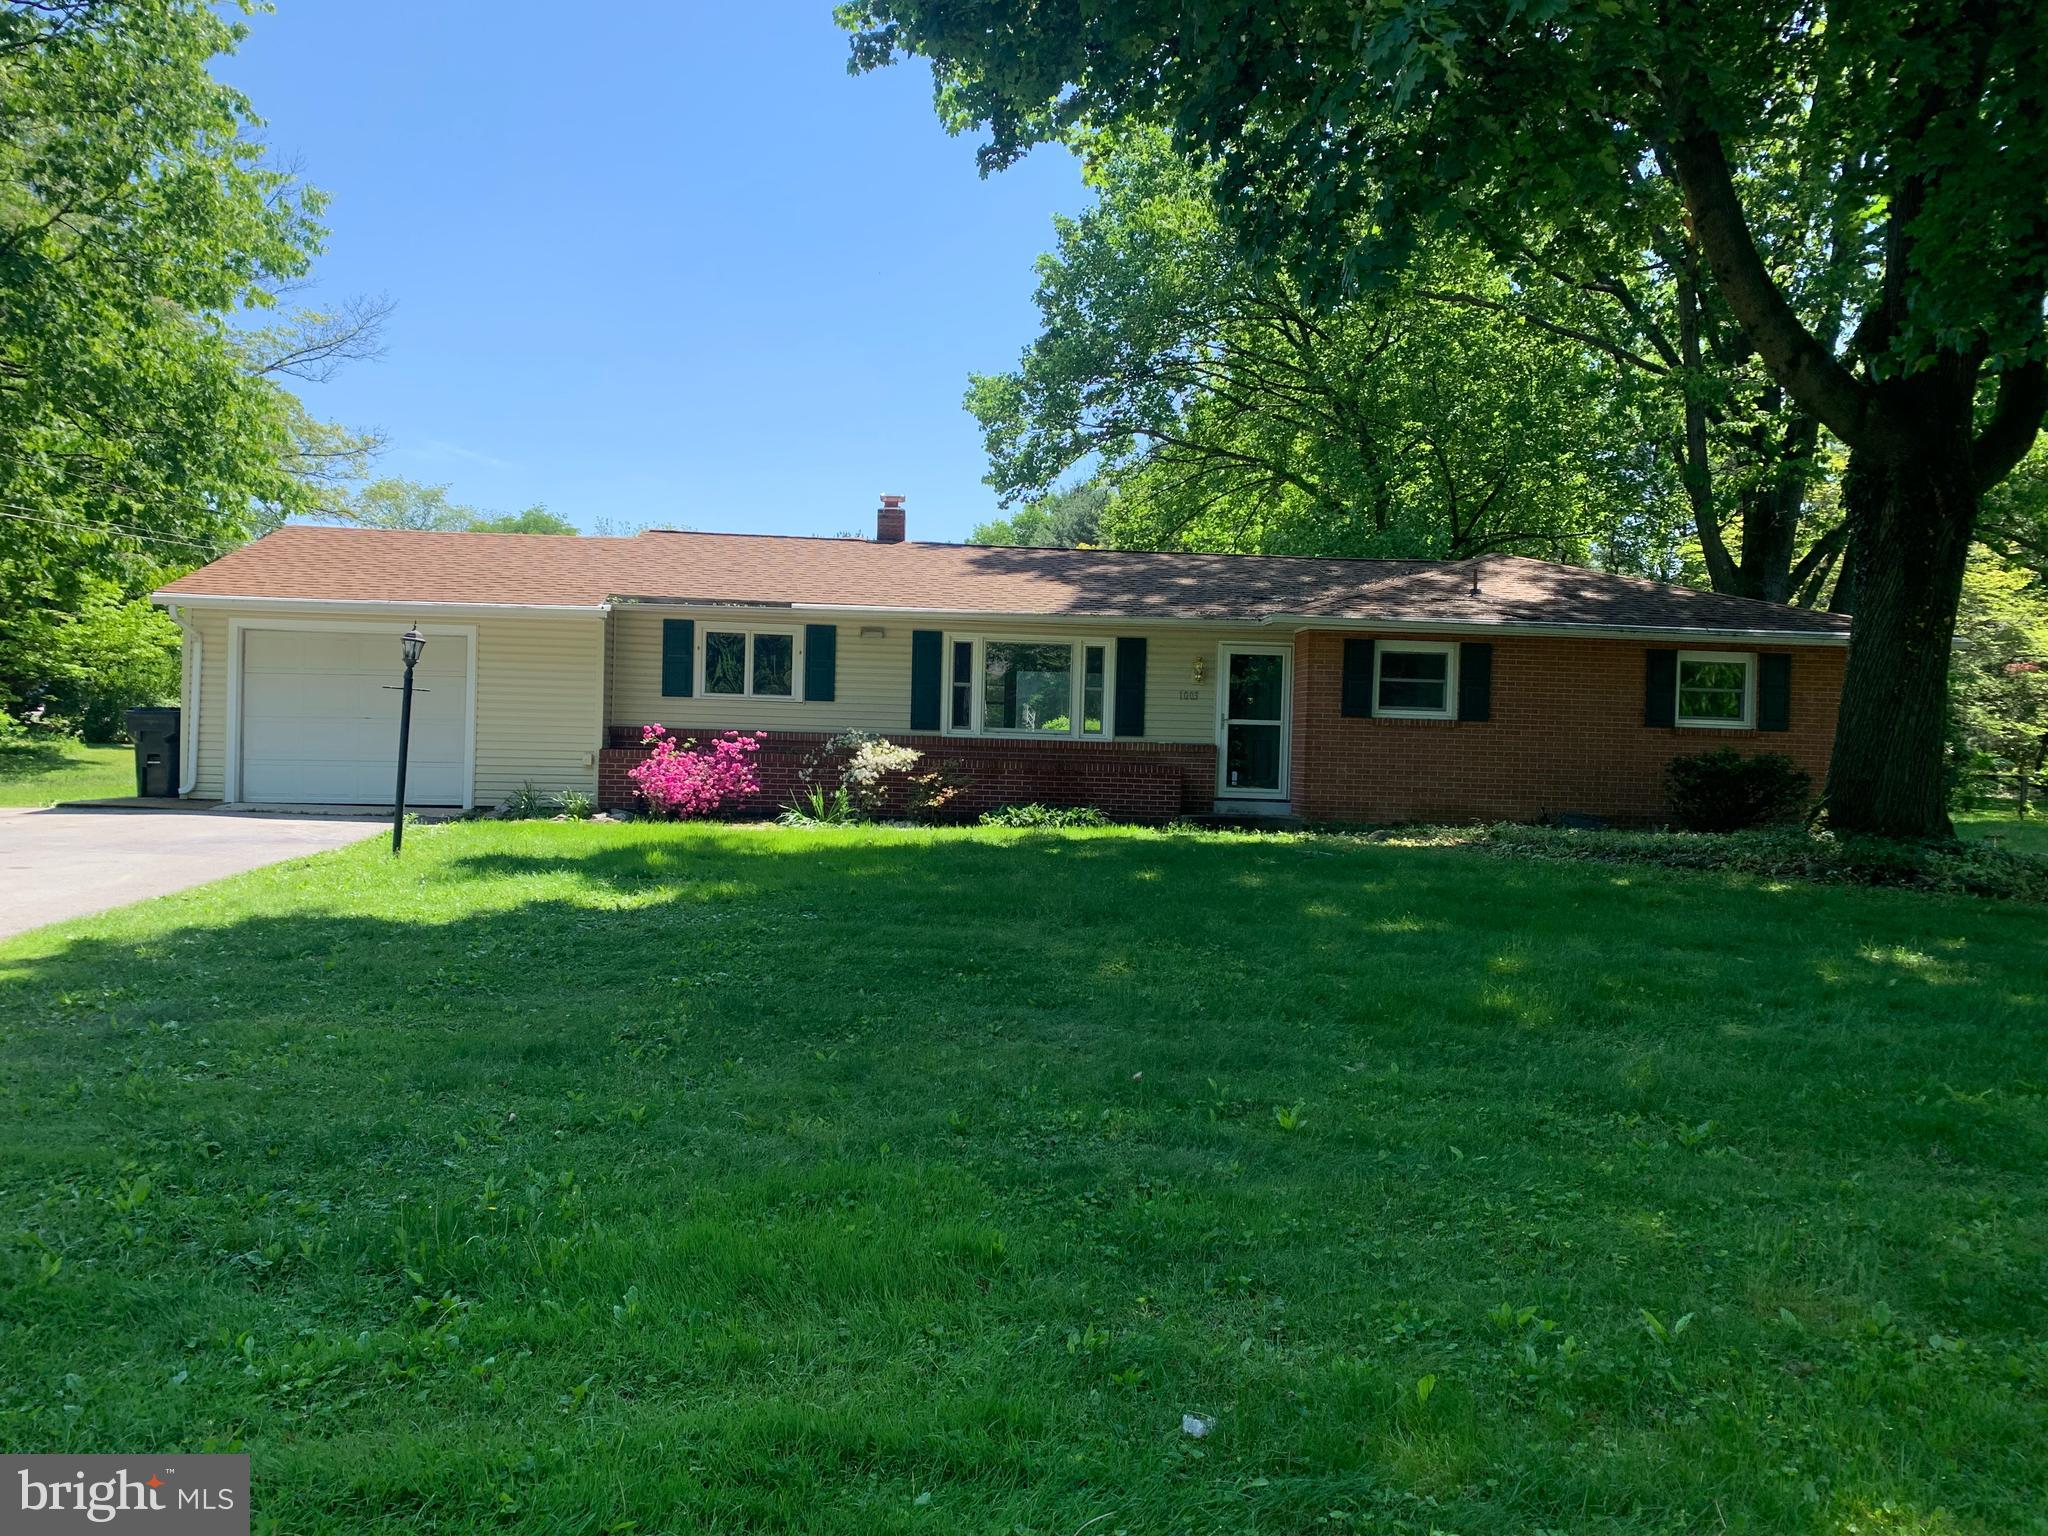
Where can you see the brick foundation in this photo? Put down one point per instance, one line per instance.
(1567, 736)
(1129, 780)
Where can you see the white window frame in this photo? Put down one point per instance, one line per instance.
(796, 659)
(977, 724)
(1696, 723)
(1448, 649)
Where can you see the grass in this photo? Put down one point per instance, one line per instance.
(51, 771)
(1975, 867)
(2015, 834)
(634, 1178)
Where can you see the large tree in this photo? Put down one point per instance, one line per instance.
(1234, 415)
(139, 427)
(1346, 133)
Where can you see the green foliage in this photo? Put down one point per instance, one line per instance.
(1998, 684)
(535, 519)
(1860, 184)
(1727, 791)
(1341, 137)
(92, 663)
(526, 803)
(576, 804)
(821, 805)
(1036, 815)
(394, 502)
(1060, 519)
(766, 1180)
(847, 779)
(1229, 415)
(1979, 866)
(136, 218)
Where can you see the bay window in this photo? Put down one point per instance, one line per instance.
(1000, 686)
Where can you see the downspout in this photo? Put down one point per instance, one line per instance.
(190, 658)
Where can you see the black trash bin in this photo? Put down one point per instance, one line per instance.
(156, 751)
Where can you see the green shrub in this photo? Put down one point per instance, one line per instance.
(819, 805)
(1724, 791)
(1780, 853)
(576, 805)
(1035, 815)
(525, 803)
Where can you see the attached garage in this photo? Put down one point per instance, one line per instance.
(314, 715)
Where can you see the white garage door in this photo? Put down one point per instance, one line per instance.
(320, 717)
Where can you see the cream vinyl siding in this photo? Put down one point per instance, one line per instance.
(539, 694)
(213, 704)
(873, 689)
(539, 697)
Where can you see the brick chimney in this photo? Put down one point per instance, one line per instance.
(889, 521)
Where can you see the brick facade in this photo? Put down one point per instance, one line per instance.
(1567, 736)
(1128, 780)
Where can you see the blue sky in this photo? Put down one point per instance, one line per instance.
(656, 263)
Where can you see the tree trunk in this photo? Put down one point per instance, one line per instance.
(1912, 505)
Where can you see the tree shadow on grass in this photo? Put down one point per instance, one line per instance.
(838, 1127)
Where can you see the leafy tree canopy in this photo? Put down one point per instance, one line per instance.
(1344, 135)
(1060, 519)
(1998, 682)
(136, 219)
(1233, 415)
(393, 502)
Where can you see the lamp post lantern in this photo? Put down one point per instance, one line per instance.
(410, 644)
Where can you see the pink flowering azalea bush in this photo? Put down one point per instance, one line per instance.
(679, 779)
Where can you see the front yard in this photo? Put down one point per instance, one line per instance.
(61, 769)
(608, 1179)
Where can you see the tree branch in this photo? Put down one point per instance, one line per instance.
(1808, 370)
(1613, 349)
(2022, 402)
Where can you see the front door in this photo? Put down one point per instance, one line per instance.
(1252, 729)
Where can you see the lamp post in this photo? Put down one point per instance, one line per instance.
(411, 643)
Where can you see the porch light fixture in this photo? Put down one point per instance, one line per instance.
(1201, 668)
(410, 644)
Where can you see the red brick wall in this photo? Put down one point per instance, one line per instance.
(1567, 735)
(1129, 780)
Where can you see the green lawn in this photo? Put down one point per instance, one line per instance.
(574, 1179)
(2007, 830)
(64, 770)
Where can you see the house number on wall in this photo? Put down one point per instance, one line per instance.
(1191, 693)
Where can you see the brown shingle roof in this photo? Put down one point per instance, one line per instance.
(386, 566)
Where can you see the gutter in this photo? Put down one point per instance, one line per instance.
(400, 606)
(1688, 632)
(1292, 621)
(192, 658)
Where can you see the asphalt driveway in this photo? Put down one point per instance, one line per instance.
(56, 864)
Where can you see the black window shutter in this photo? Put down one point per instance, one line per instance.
(821, 662)
(1660, 687)
(678, 657)
(1357, 696)
(1130, 685)
(1475, 680)
(925, 650)
(1774, 692)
